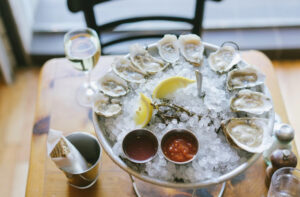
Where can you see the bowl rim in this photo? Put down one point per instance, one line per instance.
(198, 184)
(98, 144)
(140, 161)
(178, 130)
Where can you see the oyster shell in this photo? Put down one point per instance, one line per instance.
(244, 77)
(250, 134)
(143, 61)
(112, 85)
(168, 48)
(223, 59)
(251, 102)
(104, 107)
(124, 69)
(192, 48)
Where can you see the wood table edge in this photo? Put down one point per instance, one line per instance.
(284, 116)
(37, 189)
(34, 162)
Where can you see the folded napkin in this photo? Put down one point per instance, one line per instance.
(64, 154)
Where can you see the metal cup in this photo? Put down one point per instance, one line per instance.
(176, 132)
(136, 136)
(90, 149)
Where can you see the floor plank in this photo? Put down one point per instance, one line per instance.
(17, 106)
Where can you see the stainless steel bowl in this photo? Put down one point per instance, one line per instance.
(137, 133)
(107, 146)
(179, 131)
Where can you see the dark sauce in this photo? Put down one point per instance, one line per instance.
(139, 145)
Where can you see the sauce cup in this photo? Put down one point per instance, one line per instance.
(179, 146)
(140, 145)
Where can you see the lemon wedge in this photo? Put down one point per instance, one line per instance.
(144, 112)
(170, 85)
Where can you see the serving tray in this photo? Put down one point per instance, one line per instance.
(107, 146)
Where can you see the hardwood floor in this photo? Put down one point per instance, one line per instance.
(17, 106)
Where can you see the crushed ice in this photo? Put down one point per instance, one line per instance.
(215, 156)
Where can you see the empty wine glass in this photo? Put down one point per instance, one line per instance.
(82, 48)
(285, 183)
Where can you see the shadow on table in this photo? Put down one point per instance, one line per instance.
(92, 191)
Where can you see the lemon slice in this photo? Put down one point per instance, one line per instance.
(144, 112)
(170, 85)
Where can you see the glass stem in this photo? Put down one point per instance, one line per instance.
(89, 79)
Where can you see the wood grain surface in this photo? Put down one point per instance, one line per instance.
(288, 73)
(57, 109)
(17, 104)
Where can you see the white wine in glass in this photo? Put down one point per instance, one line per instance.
(82, 48)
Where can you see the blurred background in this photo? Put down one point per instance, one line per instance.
(36, 27)
(31, 32)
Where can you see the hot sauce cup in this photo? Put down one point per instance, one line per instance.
(179, 146)
(140, 145)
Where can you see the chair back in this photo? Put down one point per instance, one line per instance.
(87, 6)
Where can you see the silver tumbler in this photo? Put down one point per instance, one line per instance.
(90, 149)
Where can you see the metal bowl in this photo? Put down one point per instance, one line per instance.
(176, 132)
(137, 133)
(107, 146)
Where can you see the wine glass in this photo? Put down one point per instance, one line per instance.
(285, 183)
(82, 48)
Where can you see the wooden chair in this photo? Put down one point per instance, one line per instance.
(87, 6)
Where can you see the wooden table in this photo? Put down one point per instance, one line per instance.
(57, 109)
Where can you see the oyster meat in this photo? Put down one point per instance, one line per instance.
(112, 85)
(192, 48)
(249, 134)
(104, 107)
(123, 68)
(142, 60)
(251, 102)
(168, 48)
(223, 59)
(244, 77)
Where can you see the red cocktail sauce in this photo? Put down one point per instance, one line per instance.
(180, 147)
(140, 147)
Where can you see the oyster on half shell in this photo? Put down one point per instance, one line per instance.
(223, 59)
(105, 107)
(123, 67)
(245, 77)
(168, 48)
(251, 102)
(192, 48)
(142, 60)
(112, 85)
(249, 134)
